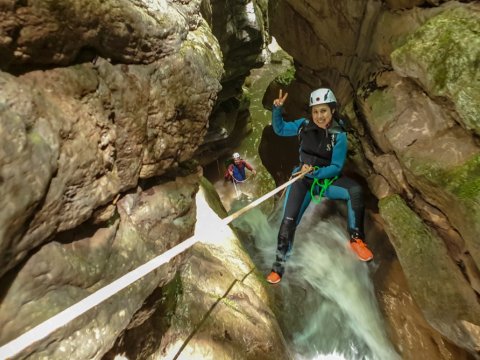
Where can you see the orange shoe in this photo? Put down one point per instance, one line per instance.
(274, 278)
(360, 249)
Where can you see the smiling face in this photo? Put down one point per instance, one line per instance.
(322, 115)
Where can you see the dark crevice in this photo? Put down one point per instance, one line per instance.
(367, 137)
(463, 269)
(85, 55)
(20, 3)
(111, 117)
(150, 323)
(423, 5)
(9, 277)
(22, 69)
(25, 229)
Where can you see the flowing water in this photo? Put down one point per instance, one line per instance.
(326, 303)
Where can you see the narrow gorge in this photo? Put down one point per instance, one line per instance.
(116, 118)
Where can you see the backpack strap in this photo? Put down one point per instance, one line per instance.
(338, 126)
(302, 127)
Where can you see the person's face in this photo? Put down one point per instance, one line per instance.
(237, 161)
(322, 115)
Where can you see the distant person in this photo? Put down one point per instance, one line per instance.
(236, 169)
(323, 151)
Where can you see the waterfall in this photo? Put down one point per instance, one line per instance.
(326, 303)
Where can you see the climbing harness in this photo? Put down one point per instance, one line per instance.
(240, 181)
(316, 183)
(235, 182)
(50, 325)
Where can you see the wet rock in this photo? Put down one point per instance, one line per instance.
(241, 29)
(437, 285)
(220, 308)
(81, 261)
(443, 57)
(433, 153)
(90, 131)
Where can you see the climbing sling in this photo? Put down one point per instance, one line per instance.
(323, 187)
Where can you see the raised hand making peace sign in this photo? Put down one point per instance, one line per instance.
(281, 99)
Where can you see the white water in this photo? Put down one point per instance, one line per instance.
(326, 298)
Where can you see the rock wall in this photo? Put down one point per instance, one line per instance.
(217, 307)
(90, 131)
(101, 102)
(241, 29)
(406, 75)
(83, 260)
(102, 106)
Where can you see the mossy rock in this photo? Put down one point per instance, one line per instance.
(462, 182)
(212, 198)
(456, 192)
(202, 42)
(280, 56)
(438, 286)
(444, 55)
(383, 106)
(380, 109)
(285, 78)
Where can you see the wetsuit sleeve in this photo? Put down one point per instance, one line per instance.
(339, 155)
(281, 127)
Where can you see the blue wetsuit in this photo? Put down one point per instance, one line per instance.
(327, 150)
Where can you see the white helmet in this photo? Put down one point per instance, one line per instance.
(236, 156)
(322, 96)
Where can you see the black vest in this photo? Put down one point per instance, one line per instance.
(316, 144)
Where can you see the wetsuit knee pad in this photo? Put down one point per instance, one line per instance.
(287, 230)
(356, 195)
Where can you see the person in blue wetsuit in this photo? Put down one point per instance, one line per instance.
(323, 151)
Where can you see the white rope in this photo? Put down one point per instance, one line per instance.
(235, 187)
(64, 317)
(240, 181)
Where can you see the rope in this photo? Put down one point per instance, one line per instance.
(240, 181)
(323, 187)
(291, 176)
(235, 186)
(47, 327)
(235, 182)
